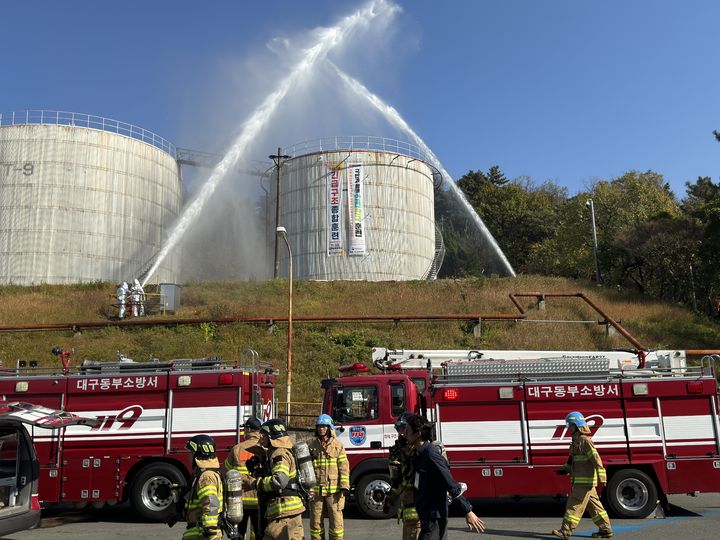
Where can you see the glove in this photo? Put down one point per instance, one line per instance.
(172, 520)
(345, 492)
(562, 472)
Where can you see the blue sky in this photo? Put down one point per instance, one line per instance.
(572, 91)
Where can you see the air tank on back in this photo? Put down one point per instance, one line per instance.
(359, 208)
(84, 198)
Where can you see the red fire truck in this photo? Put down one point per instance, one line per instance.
(500, 415)
(144, 414)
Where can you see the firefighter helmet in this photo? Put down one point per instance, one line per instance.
(202, 446)
(252, 424)
(576, 418)
(324, 420)
(274, 429)
(402, 420)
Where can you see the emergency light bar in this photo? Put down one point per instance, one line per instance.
(352, 369)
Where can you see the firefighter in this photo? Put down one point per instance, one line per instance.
(332, 471)
(121, 295)
(433, 482)
(401, 477)
(278, 484)
(204, 500)
(586, 468)
(137, 297)
(237, 459)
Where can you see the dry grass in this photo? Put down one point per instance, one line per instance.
(319, 348)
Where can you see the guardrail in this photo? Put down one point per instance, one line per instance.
(90, 121)
(359, 143)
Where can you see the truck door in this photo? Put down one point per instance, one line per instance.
(205, 402)
(48, 392)
(483, 431)
(355, 405)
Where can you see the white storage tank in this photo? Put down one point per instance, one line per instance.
(358, 208)
(83, 198)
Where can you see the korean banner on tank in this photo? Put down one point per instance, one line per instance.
(355, 177)
(334, 206)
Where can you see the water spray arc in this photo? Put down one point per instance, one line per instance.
(328, 39)
(392, 115)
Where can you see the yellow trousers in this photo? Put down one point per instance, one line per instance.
(411, 529)
(288, 528)
(582, 498)
(332, 506)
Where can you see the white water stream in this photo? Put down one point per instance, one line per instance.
(391, 114)
(328, 39)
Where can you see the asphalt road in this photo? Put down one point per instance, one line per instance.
(695, 518)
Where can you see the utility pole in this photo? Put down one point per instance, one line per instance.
(278, 159)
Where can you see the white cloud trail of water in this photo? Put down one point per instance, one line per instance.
(329, 38)
(393, 116)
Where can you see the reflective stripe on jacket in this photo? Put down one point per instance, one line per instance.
(332, 470)
(283, 473)
(237, 460)
(403, 494)
(204, 504)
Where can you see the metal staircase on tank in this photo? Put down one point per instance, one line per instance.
(439, 256)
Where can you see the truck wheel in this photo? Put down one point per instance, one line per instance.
(150, 493)
(631, 494)
(370, 495)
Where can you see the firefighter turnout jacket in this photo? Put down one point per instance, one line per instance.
(237, 460)
(280, 487)
(330, 462)
(402, 493)
(584, 462)
(204, 501)
(332, 474)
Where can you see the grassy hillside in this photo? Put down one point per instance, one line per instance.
(318, 349)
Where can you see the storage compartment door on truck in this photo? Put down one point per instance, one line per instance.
(547, 405)
(48, 391)
(19, 471)
(129, 408)
(209, 402)
(483, 430)
(689, 414)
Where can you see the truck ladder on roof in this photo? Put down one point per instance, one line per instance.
(544, 367)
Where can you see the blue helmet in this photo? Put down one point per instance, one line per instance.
(576, 418)
(324, 420)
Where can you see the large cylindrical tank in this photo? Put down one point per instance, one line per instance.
(358, 213)
(83, 198)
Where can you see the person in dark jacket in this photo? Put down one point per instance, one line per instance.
(433, 482)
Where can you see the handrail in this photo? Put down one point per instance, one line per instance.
(90, 121)
(357, 143)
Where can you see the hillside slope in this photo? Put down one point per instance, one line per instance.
(318, 349)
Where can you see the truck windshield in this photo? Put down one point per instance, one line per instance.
(352, 403)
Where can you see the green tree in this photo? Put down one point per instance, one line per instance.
(702, 206)
(518, 213)
(621, 206)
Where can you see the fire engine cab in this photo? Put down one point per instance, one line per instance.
(500, 416)
(144, 413)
